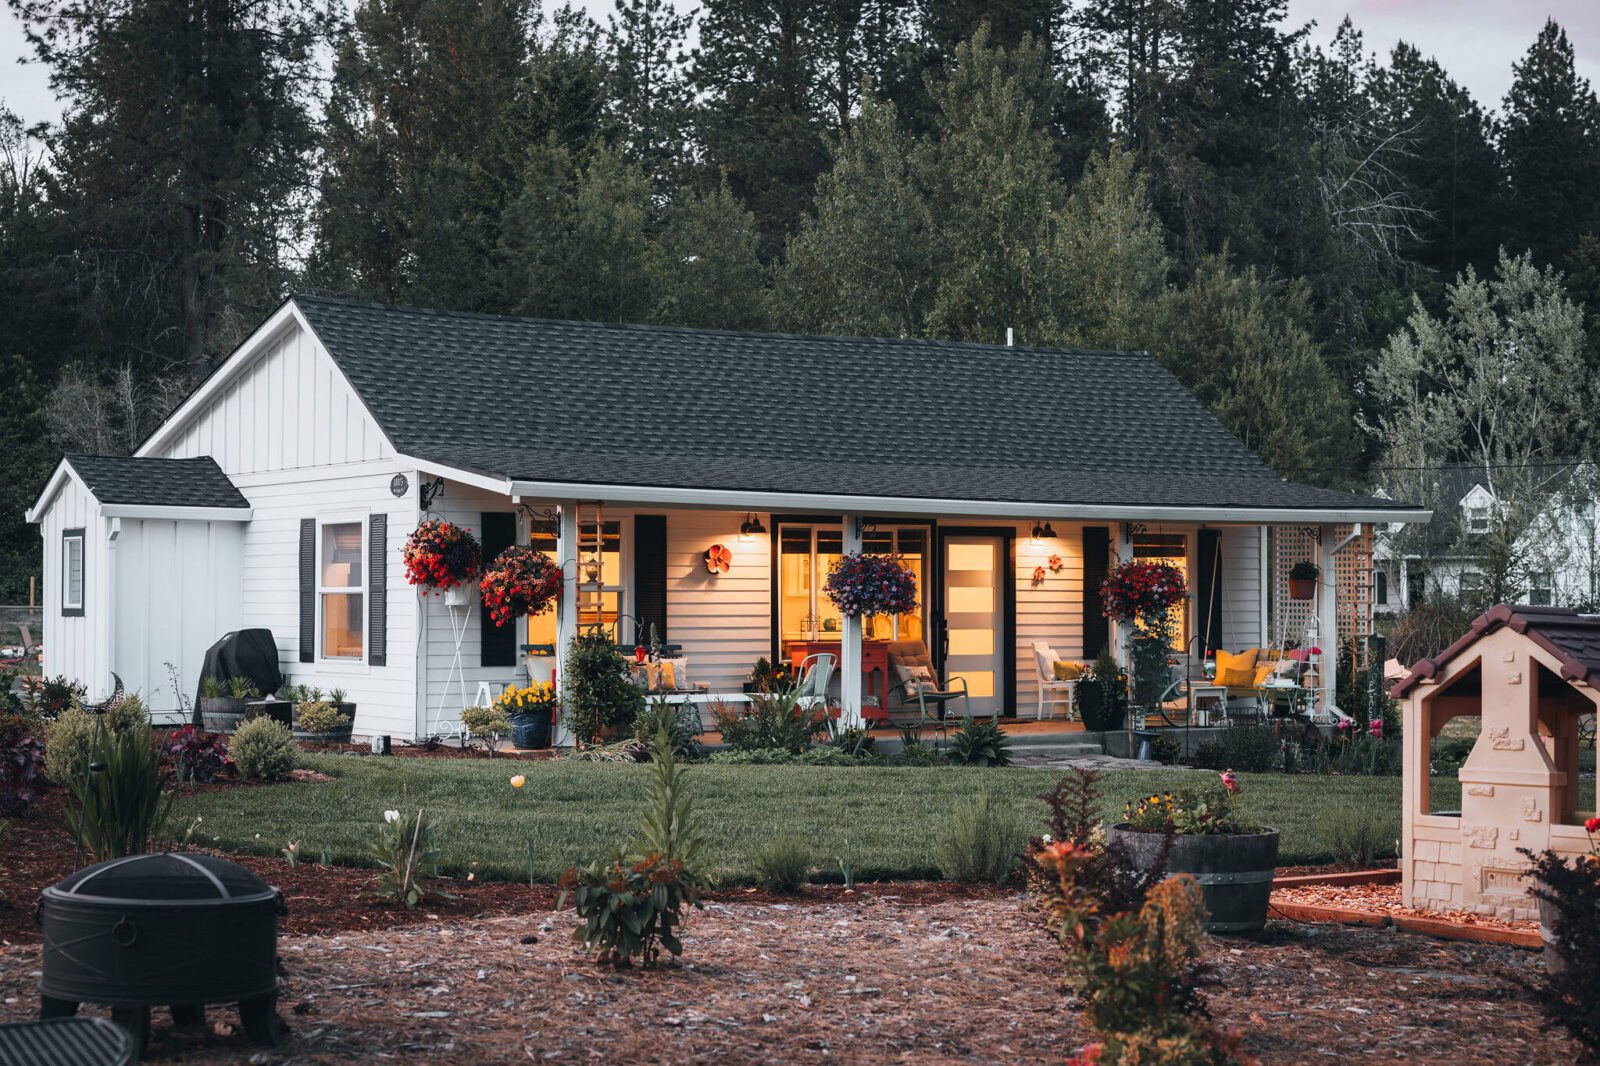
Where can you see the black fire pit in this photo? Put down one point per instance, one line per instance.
(166, 929)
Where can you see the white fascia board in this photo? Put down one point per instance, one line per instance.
(58, 480)
(164, 511)
(500, 485)
(890, 505)
(283, 319)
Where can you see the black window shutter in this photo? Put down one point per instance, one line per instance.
(308, 590)
(497, 645)
(1096, 567)
(650, 574)
(1208, 590)
(378, 590)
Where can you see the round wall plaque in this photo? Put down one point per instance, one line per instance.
(398, 484)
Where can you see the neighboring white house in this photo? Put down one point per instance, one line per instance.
(1557, 559)
(280, 492)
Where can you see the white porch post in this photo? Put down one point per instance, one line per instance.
(567, 609)
(1328, 617)
(1122, 552)
(850, 643)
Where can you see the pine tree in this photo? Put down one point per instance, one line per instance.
(421, 149)
(26, 459)
(650, 92)
(1550, 142)
(183, 157)
(705, 269)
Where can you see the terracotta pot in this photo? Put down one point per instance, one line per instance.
(1302, 588)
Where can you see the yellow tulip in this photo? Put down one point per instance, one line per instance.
(518, 781)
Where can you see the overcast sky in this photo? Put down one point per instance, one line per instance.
(1476, 40)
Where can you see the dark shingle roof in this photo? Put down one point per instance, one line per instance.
(1573, 638)
(587, 402)
(157, 482)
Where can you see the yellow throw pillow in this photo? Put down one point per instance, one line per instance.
(1066, 671)
(1236, 671)
(669, 676)
(1264, 671)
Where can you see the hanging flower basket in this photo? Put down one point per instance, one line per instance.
(1303, 580)
(860, 584)
(1142, 591)
(441, 555)
(519, 582)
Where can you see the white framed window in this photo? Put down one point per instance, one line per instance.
(806, 553)
(1541, 589)
(342, 588)
(72, 542)
(1471, 582)
(1477, 518)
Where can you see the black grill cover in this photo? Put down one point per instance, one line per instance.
(248, 653)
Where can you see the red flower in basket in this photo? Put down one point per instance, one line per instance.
(441, 555)
(519, 582)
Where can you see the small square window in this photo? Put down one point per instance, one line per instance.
(1478, 518)
(72, 572)
(1471, 582)
(1541, 589)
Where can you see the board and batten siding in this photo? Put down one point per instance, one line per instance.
(289, 409)
(75, 645)
(385, 696)
(169, 605)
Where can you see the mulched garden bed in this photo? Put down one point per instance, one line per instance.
(1382, 904)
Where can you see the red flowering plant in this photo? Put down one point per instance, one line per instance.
(1142, 592)
(441, 555)
(519, 582)
(871, 584)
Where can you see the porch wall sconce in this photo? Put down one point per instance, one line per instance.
(751, 527)
(1042, 531)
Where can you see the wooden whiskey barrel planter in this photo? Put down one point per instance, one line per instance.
(1234, 871)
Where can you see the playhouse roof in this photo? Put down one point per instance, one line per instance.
(1573, 638)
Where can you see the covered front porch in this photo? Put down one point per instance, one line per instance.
(1001, 597)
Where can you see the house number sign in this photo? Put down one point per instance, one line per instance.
(398, 485)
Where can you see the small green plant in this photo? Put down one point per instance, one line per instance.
(631, 907)
(982, 842)
(49, 697)
(1361, 834)
(117, 803)
(242, 688)
(770, 720)
(783, 862)
(264, 750)
(847, 862)
(851, 740)
(1201, 811)
(336, 696)
(681, 720)
(1304, 570)
(211, 688)
(69, 744)
(291, 853)
(1165, 750)
(1568, 889)
(320, 718)
(486, 725)
(980, 742)
(406, 857)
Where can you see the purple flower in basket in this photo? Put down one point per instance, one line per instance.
(871, 584)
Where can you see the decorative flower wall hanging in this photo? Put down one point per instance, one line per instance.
(1038, 576)
(718, 559)
(1055, 564)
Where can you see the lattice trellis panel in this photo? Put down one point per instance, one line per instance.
(1352, 579)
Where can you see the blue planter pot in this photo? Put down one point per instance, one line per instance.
(531, 731)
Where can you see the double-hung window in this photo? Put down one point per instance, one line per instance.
(72, 572)
(1478, 518)
(1541, 588)
(342, 589)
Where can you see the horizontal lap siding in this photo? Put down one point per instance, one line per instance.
(1241, 588)
(289, 409)
(1050, 611)
(270, 591)
(723, 621)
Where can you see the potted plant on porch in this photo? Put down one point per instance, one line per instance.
(442, 556)
(602, 699)
(1231, 857)
(1303, 580)
(1102, 695)
(531, 711)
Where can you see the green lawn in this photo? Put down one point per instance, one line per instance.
(573, 812)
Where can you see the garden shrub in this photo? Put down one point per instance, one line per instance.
(127, 714)
(917, 753)
(49, 697)
(1364, 756)
(1450, 753)
(22, 763)
(785, 757)
(320, 717)
(681, 720)
(981, 842)
(601, 692)
(486, 724)
(1428, 628)
(852, 740)
(632, 905)
(980, 742)
(769, 720)
(118, 808)
(264, 750)
(1572, 889)
(1248, 749)
(1165, 750)
(68, 744)
(783, 862)
(197, 757)
(1360, 835)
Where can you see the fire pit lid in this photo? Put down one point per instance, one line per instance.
(162, 877)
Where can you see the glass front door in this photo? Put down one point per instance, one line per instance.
(973, 618)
